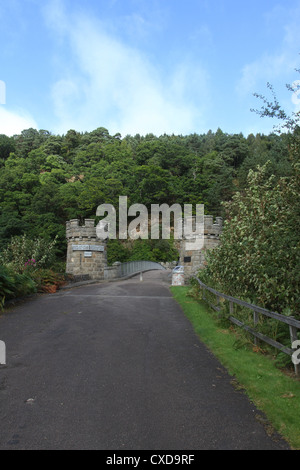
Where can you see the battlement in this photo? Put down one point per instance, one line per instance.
(76, 231)
(212, 229)
(86, 254)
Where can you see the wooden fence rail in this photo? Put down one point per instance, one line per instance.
(294, 325)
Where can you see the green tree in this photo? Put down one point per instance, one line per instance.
(7, 145)
(28, 140)
(259, 255)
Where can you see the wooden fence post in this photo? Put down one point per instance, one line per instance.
(294, 324)
(255, 321)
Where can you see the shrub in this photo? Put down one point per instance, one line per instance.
(14, 285)
(6, 284)
(153, 250)
(137, 250)
(258, 257)
(24, 253)
(46, 280)
(116, 251)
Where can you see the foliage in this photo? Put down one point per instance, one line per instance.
(153, 250)
(14, 285)
(259, 255)
(274, 392)
(116, 251)
(138, 250)
(47, 179)
(17, 285)
(6, 284)
(24, 253)
(47, 280)
(273, 109)
(289, 124)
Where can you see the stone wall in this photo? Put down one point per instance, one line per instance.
(86, 254)
(194, 260)
(87, 257)
(112, 272)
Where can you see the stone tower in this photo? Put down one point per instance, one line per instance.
(194, 260)
(86, 255)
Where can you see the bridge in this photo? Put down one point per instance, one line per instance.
(129, 268)
(86, 253)
(133, 267)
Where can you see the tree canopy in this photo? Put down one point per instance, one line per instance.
(46, 179)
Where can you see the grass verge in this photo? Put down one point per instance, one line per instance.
(273, 392)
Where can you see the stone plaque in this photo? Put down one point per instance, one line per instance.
(87, 254)
(88, 247)
(80, 247)
(96, 247)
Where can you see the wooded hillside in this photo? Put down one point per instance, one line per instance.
(47, 179)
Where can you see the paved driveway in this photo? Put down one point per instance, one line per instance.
(117, 366)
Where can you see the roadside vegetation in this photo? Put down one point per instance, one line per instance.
(274, 391)
(28, 266)
(258, 258)
(257, 261)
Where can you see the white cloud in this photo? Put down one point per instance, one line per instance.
(14, 122)
(267, 68)
(110, 84)
(278, 64)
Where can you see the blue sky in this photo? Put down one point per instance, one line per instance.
(140, 66)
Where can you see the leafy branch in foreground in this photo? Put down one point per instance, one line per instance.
(259, 256)
(273, 109)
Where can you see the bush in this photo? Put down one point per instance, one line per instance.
(24, 253)
(116, 251)
(153, 250)
(258, 257)
(138, 250)
(13, 285)
(46, 280)
(6, 284)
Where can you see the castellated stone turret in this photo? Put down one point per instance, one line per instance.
(193, 257)
(86, 255)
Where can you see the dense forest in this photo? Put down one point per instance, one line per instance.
(48, 179)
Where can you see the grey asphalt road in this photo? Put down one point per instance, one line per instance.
(117, 366)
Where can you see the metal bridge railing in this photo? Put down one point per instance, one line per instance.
(132, 267)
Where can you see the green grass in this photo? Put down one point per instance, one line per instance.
(273, 392)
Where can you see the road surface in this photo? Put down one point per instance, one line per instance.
(117, 366)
